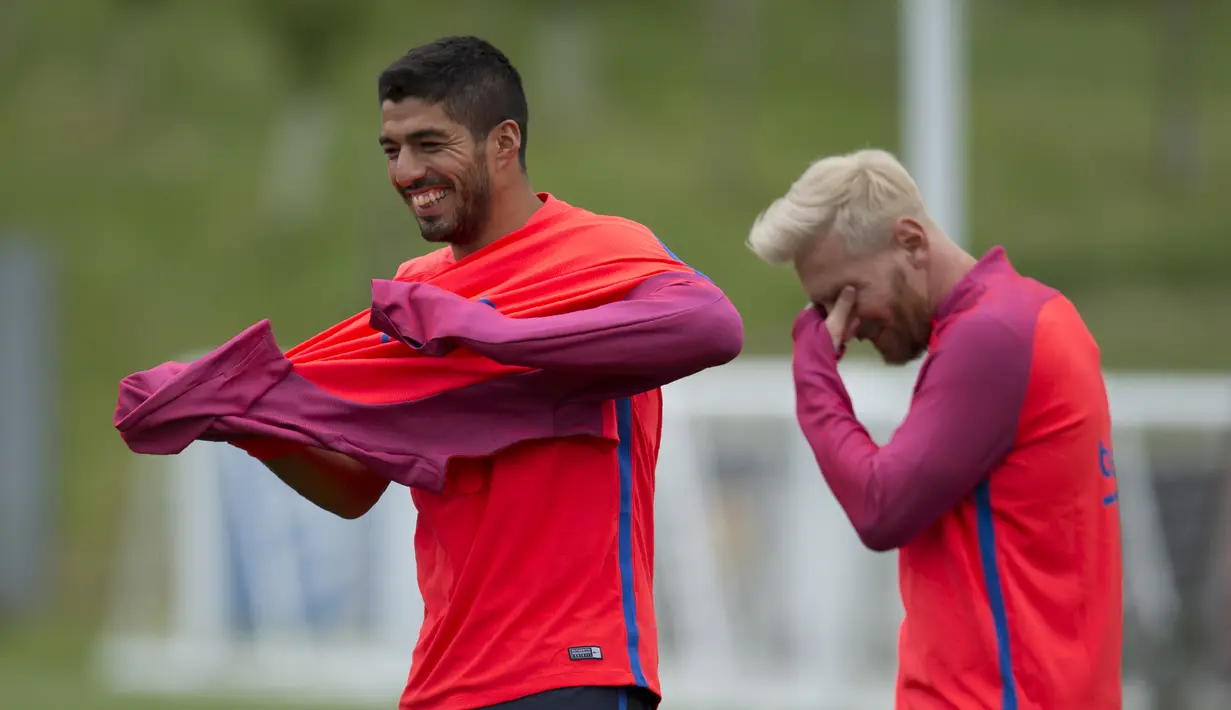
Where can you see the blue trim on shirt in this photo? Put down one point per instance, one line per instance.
(995, 593)
(673, 256)
(1107, 465)
(628, 599)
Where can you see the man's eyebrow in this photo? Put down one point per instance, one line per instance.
(421, 134)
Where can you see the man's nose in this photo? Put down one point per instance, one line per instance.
(407, 169)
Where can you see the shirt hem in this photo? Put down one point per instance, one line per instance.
(539, 684)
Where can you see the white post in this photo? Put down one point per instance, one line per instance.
(705, 640)
(201, 603)
(398, 613)
(819, 601)
(934, 107)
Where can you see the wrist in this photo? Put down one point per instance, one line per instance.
(810, 330)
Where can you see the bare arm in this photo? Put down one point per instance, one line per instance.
(331, 481)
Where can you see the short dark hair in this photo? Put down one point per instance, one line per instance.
(473, 82)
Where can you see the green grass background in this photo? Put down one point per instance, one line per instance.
(134, 136)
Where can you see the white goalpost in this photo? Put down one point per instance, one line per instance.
(934, 106)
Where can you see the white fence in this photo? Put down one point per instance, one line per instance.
(765, 597)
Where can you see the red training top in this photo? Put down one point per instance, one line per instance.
(999, 488)
(516, 393)
(536, 563)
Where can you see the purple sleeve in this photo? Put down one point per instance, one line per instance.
(247, 389)
(962, 422)
(668, 327)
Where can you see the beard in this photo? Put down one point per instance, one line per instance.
(912, 325)
(472, 202)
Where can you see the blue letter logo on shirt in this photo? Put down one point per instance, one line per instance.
(1107, 464)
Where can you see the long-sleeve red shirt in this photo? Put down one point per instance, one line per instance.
(534, 542)
(998, 488)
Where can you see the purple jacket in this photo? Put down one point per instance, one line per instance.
(666, 328)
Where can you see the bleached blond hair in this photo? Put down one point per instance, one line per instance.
(858, 196)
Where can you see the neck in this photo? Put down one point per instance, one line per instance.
(951, 265)
(512, 207)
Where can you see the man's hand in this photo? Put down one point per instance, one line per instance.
(840, 322)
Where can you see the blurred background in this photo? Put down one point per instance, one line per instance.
(173, 171)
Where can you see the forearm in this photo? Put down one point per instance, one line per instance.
(962, 422)
(329, 480)
(847, 457)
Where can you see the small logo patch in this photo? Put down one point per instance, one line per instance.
(1107, 464)
(585, 653)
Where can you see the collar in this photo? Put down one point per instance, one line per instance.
(552, 206)
(967, 291)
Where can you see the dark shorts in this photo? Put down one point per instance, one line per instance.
(584, 698)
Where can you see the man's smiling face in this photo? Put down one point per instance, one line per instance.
(438, 168)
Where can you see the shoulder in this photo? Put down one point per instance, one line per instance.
(992, 336)
(611, 233)
(1007, 312)
(1063, 343)
(424, 267)
(1058, 319)
(993, 342)
(985, 337)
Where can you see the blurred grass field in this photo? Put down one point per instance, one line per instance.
(135, 137)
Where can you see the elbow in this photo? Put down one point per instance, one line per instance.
(708, 337)
(353, 507)
(354, 495)
(721, 332)
(731, 335)
(880, 537)
(877, 541)
(357, 506)
(351, 512)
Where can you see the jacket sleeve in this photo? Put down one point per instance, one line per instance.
(668, 327)
(962, 423)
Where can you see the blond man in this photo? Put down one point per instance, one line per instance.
(998, 489)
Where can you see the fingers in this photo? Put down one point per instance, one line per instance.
(842, 307)
(841, 323)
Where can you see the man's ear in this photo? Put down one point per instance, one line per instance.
(507, 139)
(911, 236)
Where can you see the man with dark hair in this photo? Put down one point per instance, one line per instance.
(535, 562)
(439, 104)
(474, 83)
